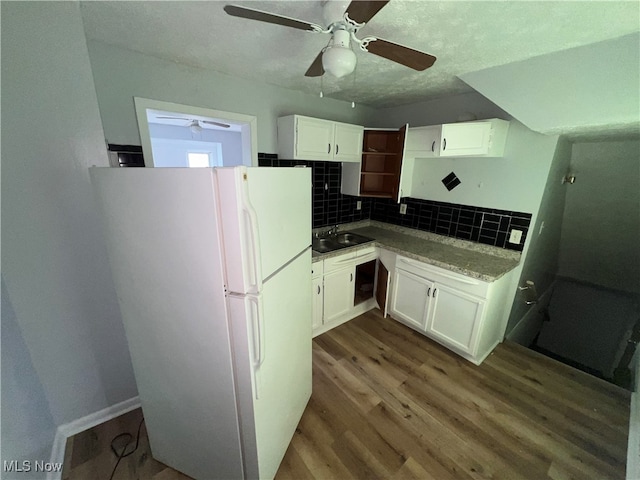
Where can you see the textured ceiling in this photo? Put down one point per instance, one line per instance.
(465, 36)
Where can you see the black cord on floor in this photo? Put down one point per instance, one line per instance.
(122, 454)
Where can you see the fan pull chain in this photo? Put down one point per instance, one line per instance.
(353, 104)
(321, 85)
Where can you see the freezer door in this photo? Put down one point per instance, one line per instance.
(266, 218)
(274, 328)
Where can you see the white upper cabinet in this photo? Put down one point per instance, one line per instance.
(306, 138)
(482, 138)
(348, 142)
(423, 142)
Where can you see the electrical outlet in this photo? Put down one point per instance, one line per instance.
(515, 237)
(359, 205)
(403, 209)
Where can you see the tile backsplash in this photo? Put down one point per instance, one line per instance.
(478, 224)
(483, 225)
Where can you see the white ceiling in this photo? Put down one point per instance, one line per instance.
(465, 36)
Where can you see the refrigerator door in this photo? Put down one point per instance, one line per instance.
(165, 256)
(275, 328)
(266, 218)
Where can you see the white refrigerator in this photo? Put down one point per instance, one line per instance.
(212, 268)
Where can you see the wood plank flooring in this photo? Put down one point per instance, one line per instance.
(388, 403)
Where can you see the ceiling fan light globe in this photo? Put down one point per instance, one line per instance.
(339, 61)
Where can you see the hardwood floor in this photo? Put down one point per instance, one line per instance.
(389, 403)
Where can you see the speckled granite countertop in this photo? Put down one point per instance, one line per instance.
(468, 258)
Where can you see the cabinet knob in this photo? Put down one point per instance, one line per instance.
(444, 144)
(434, 292)
(433, 146)
(337, 148)
(318, 289)
(352, 277)
(329, 148)
(429, 292)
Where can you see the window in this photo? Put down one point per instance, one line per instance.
(199, 159)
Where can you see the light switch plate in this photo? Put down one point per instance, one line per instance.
(359, 205)
(403, 209)
(515, 237)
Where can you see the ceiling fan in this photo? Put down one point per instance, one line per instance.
(343, 20)
(194, 124)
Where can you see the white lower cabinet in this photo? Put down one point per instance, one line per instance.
(411, 298)
(338, 293)
(455, 317)
(336, 296)
(462, 313)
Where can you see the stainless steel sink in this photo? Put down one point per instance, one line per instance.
(336, 242)
(324, 245)
(348, 239)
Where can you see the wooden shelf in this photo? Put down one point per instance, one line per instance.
(381, 163)
(376, 194)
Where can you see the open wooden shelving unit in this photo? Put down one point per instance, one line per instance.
(381, 163)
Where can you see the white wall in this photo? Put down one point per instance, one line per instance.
(601, 226)
(231, 141)
(541, 262)
(583, 88)
(121, 74)
(27, 426)
(54, 259)
(440, 110)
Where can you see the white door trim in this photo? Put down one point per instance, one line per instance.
(249, 126)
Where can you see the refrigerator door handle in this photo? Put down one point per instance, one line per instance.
(257, 337)
(254, 243)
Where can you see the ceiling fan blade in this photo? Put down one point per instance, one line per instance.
(400, 54)
(316, 69)
(361, 11)
(261, 16)
(218, 124)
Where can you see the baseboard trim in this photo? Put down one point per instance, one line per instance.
(80, 425)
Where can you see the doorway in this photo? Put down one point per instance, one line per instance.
(175, 135)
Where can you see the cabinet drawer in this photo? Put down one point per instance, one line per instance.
(366, 254)
(470, 285)
(340, 261)
(317, 269)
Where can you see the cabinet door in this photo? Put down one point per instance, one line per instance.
(411, 297)
(382, 286)
(455, 318)
(317, 302)
(338, 293)
(348, 142)
(468, 138)
(404, 173)
(314, 139)
(423, 142)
